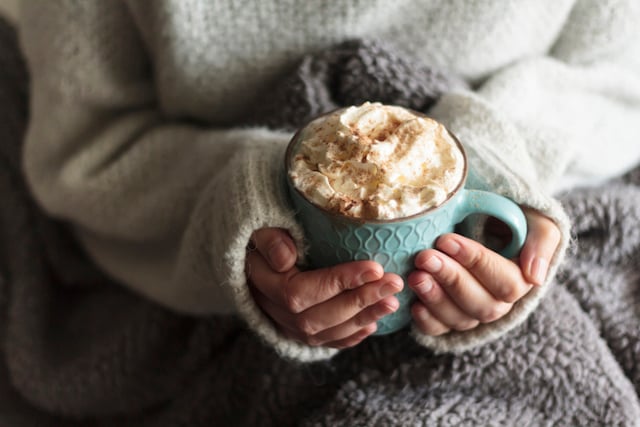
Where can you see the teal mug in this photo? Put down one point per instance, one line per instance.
(333, 238)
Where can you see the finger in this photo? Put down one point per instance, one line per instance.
(309, 288)
(425, 322)
(499, 276)
(343, 307)
(277, 314)
(262, 276)
(442, 306)
(336, 319)
(542, 242)
(275, 245)
(368, 316)
(298, 290)
(354, 339)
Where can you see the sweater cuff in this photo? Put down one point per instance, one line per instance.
(258, 199)
(500, 162)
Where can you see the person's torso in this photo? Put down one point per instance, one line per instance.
(211, 58)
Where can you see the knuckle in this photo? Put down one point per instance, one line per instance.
(488, 315)
(434, 297)
(422, 327)
(342, 345)
(430, 329)
(292, 300)
(465, 325)
(429, 326)
(508, 293)
(349, 342)
(368, 330)
(313, 341)
(261, 238)
(552, 233)
(362, 334)
(545, 228)
(491, 314)
(306, 327)
(454, 282)
(366, 318)
(477, 260)
(332, 281)
(361, 319)
(359, 300)
(440, 330)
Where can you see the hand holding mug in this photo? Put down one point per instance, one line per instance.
(460, 283)
(271, 269)
(394, 185)
(335, 307)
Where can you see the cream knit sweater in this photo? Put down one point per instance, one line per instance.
(130, 138)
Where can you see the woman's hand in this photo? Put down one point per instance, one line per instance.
(461, 283)
(335, 307)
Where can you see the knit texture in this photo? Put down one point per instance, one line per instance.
(78, 349)
(142, 128)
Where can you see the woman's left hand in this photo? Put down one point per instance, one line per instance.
(461, 283)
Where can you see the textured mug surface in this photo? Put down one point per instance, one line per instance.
(333, 238)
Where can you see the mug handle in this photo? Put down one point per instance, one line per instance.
(500, 207)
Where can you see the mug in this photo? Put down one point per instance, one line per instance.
(333, 238)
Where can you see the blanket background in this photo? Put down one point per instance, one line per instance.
(77, 349)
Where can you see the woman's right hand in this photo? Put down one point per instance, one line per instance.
(334, 307)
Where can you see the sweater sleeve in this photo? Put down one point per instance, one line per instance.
(538, 123)
(165, 206)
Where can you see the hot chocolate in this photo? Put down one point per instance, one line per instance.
(376, 161)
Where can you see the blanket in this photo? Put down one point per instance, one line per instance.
(78, 349)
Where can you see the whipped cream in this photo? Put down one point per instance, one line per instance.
(376, 161)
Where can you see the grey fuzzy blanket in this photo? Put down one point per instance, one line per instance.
(77, 349)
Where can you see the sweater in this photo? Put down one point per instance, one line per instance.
(136, 136)
(77, 349)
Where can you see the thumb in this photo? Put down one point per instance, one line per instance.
(276, 246)
(542, 241)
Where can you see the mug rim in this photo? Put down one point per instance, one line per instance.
(341, 216)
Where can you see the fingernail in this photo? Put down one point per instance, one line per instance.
(433, 264)
(423, 287)
(449, 246)
(389, 289)
(279, 254)
(539, 268)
